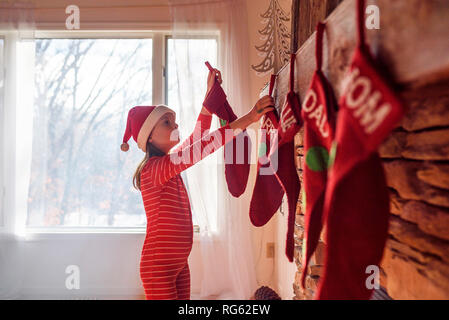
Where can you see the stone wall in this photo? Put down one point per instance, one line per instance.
(413, 48)
(415, 264)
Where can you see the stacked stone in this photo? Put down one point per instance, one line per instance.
(416, 162)
(316, 262)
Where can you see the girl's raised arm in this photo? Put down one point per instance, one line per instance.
(162, 169)
(205, 117)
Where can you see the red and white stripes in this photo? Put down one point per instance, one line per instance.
(164, 270)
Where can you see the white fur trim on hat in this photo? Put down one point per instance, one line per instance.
(149, 124)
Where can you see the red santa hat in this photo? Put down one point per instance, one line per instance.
(140, 123)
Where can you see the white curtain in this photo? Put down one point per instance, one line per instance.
(225, 231)
(17, 30)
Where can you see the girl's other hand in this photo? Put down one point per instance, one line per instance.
(262, 106)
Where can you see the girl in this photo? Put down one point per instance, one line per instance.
(164, 270)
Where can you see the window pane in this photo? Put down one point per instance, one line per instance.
(84, 89)
(187, 73)
(186, 87)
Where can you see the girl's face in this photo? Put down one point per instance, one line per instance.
(165, 134)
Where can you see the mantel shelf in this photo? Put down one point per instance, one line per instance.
(412, 42)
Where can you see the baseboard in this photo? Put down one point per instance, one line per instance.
(85, 294)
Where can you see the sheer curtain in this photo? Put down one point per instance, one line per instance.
(225, 231)
(17, 30)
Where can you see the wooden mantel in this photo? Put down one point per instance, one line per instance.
(412, 42)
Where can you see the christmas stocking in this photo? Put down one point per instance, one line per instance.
(237, 159)
(289, 124)
(356, 207)
(280, 172)
(318, 113)
(267, 193)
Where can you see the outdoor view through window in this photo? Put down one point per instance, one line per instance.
(83, 91)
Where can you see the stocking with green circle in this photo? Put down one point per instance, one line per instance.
(356, 203)
(318, 113)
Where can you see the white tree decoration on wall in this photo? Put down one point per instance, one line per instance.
(276, 37)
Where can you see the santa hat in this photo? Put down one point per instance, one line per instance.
(140, 123)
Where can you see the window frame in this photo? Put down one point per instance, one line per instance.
(159, 93)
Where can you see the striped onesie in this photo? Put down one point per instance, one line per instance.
(164, 270)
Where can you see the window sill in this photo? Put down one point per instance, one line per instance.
(94, 230)
(38, 234)
(86, 230)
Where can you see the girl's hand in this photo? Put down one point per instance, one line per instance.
(262, 106)
(211, 78)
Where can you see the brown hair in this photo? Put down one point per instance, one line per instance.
(152, 151)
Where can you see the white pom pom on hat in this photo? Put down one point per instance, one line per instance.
(124, 147)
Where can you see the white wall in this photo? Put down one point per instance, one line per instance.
(265, 234)
(285, 270)
(275, 272)
(35, 267)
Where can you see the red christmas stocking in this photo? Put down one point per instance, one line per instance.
(267, 193)
(280, 172)
(318, 113)
(237, 159)
(356, 207)
(289, 125)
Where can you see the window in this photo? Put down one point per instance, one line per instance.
(84, 88)
(83, 91)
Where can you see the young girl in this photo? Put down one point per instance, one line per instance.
(164, 270)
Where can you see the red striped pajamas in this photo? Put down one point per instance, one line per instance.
(164, 270)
